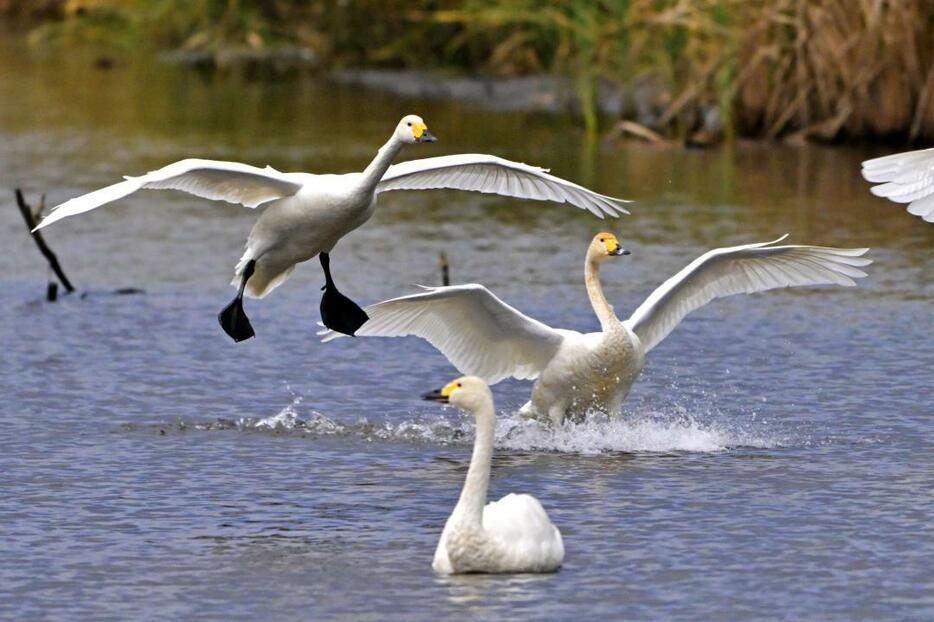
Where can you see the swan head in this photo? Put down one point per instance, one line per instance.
(467, 393)
(605, 245)
(412, 129)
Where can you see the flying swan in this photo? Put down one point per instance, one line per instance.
(308, 214)
(513, 534)
(905, 178)
(483, 336)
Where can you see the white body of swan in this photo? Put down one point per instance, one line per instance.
(513, 534)
(905, 178)
(308, 214)
(575, 373)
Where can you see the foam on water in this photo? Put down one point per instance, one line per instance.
(656, 432)
(630, 434)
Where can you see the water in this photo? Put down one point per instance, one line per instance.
(775, 460)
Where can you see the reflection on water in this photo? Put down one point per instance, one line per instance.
(474, 593)
(772, 462)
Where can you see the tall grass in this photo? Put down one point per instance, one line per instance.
(824, 69)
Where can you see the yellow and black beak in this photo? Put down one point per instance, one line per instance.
(441, 395)
(426, 137)
(613, 249)
(435, 396)
(421, 134)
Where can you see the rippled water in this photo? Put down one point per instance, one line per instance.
(775, 460)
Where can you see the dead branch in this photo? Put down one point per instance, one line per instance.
(30, 217)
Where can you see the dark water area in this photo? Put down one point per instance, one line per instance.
(775, 460)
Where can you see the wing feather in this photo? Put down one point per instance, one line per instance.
(211, 179)
(478, 333)
(905, 178)
(741, 270)
(492, 175)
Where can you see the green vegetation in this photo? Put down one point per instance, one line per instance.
(824, 69)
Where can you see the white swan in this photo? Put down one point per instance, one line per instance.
(513, 534)
(482, 335)
(905, 178)
(307, 214)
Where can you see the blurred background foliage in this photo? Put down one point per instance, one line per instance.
(797, 69)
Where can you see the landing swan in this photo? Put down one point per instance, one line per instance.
(482, 335)
(905, 178)
(308, 214)
(513, 534)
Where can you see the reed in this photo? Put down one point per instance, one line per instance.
(819, 69)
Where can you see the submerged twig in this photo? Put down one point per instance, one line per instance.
(445, 270)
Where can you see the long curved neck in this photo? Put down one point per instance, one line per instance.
(473, 497)
(601, 307)
(380, 164)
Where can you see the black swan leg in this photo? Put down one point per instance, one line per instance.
(233, 318)
(338, 312)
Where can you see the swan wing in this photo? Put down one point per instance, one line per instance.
(905, 178)
(492, 175)
(211, 179)
(741, 270)
(478, 333)
(522, 528)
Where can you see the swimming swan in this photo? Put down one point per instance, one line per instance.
(482, 335)
(307, 214)
(513, 534)
(905, 178)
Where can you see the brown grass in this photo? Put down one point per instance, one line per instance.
(819, 69)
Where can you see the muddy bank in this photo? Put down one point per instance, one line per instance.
(643, 104)
(529, 93)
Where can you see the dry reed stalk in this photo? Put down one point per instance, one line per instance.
(824, 68)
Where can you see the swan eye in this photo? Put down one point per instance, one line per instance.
(459, 385)
(409, 124)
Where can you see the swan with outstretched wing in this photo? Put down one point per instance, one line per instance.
(575, 372)
(306, 215)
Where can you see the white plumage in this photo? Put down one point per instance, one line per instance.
(472, 327)
(741, 270)
(306, 215)
(210, 179)
(905, 178)
(492, 175)
(513, 534)
(483, 336)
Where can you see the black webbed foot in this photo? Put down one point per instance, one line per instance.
(234, 321)
(340, 313)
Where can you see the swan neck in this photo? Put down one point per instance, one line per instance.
(601, 307)
(384, 158)
(473, 496)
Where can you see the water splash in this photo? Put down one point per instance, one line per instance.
(654, 432)
(633, 433)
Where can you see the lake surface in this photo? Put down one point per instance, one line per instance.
(775, 461)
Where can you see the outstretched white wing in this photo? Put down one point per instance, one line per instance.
(226, 181)
(478, 333)
(741, 270)
(905, 178)
(493, 175)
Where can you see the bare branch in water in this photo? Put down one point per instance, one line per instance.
(31, 221)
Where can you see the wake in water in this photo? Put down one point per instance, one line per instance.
(632, 433)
